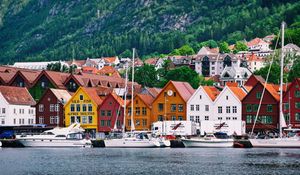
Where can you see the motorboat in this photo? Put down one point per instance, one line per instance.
(72, 136)
(209, 141)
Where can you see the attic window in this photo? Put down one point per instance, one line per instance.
(174, 94)
(136, 102)
(200, 96)
(81, 97)
(43, 84)
(227, 97)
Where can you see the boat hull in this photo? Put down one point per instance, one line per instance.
(55, 143)
(201, 143)
(276, 143)
(129, 143)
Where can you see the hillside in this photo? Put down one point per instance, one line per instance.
(33, 30)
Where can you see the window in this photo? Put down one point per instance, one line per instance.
(234, 118)
(173, 117)
(200, 97)
(219, 109)
(80, 97)
(3, 121)
(83, 107)
(297, 94)
(269, 108)
(129, 122)
(137, 122)
(234, 109)
(3, 110)
(118, 123)
(258, 95)
(20, 121)
(56, 107)
(102, 112)
(52, 119)
(192, 107)
(297, 116)
(108, 123)
(180, 118)
(286, 117)
(227, 109)
(78, 107)
(137, 111)
(220, 118)
(297, 105)
(90, 119)
(41, 120)
(160, 107)
(248, 119)
(129, 111)
(197, 119)
(226, 97)
(206, 118)
(72, 107)
(248, 108)
(197, 107)
(255, 107)
(266, 119)
(144, 111)
(90, 107)
(78, 119)
(227, 118)
(136, 102)
(41, 108)
(160, 118)
(192, 118)
(43, 84)
(102, 123)
(84, 119)
(72, 119)
(15, 111)
(108, 113)
(206, 108)
(173, 107)
(180, 108)
(144, 122)
(286, 106)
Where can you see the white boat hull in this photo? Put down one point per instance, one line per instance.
(202, 143)
(129, 143)
(55, 143)
(276, 143)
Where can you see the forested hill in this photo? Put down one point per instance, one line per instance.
(34, 30)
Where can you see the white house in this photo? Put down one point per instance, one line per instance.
(200, 104)
(235, 74)
(258, 44)
(16, 106)
(254, 62)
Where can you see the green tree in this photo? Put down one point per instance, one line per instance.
(126, 54)
(224, 47)
(182, 73)
(274, 76)
(240, 46)
(204, 82)
(209, 43)
(145, 75)
(295, 70)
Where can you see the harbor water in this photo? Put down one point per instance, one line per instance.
(148, 161)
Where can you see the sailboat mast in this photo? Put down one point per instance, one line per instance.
(281, 79)
(125, 94)
(132, 82)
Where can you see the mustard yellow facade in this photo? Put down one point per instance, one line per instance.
(83, 109)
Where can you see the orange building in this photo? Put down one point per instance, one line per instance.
(141, 114)
(170, 103)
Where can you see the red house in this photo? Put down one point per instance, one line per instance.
(291, 104)
(50, 108)
(268, 117)
(111, 112)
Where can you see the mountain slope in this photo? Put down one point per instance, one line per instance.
(53, 29)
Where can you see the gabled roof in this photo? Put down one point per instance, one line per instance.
(211, 91)
(110, 59)
(256, 41)
(238, 92)
(57, 78)
(151, 61)
(7, 76)
(28, 75)
(117, 98)
(61, 94)
(147, 99)
(184, 89)
(93, 93)
(154, 91)
(17, 95)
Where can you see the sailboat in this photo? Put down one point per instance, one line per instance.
(281, 142)
(131, 139)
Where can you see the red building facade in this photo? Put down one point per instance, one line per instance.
(111, 112)
(291, 104)
(268, 117)
(50, 108)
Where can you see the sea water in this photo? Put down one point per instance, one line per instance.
(148, 161)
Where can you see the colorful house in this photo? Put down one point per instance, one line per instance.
(24, 78)
(142, 112)
(83, 108)
(50, 108)
(291, 104)
(45, 80)
(111, 113)
(170, 103)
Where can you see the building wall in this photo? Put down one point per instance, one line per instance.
(19, 82)
(80, 114)
(40, 87)
(252, 100)
(166, 101)
(113, 112)
(45, 115)
(15, 115)
(293, 109)
(142, 121)
(71, 85)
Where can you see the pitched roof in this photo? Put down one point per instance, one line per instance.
(61, 94)
(7, 76)
(110, 59)
(151, 61)
(154, 91)
(211, 91)
(94, 94)
(147, 99)
(17, 95)
(184, 89)
(239, 93)
(255, 41)
(117, 98)
(273, 90)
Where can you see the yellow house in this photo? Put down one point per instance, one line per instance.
(83, 107)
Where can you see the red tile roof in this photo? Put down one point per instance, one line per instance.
(17, 95)
(255, 41)
(239, 93)
(154, 91)
(184, 89)
(110, 59)
(212, 92)
(94, 94)
(151, 61)
(7, 76)
(117, 98)
(147, 99)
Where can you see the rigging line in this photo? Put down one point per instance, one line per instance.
(264, 89)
